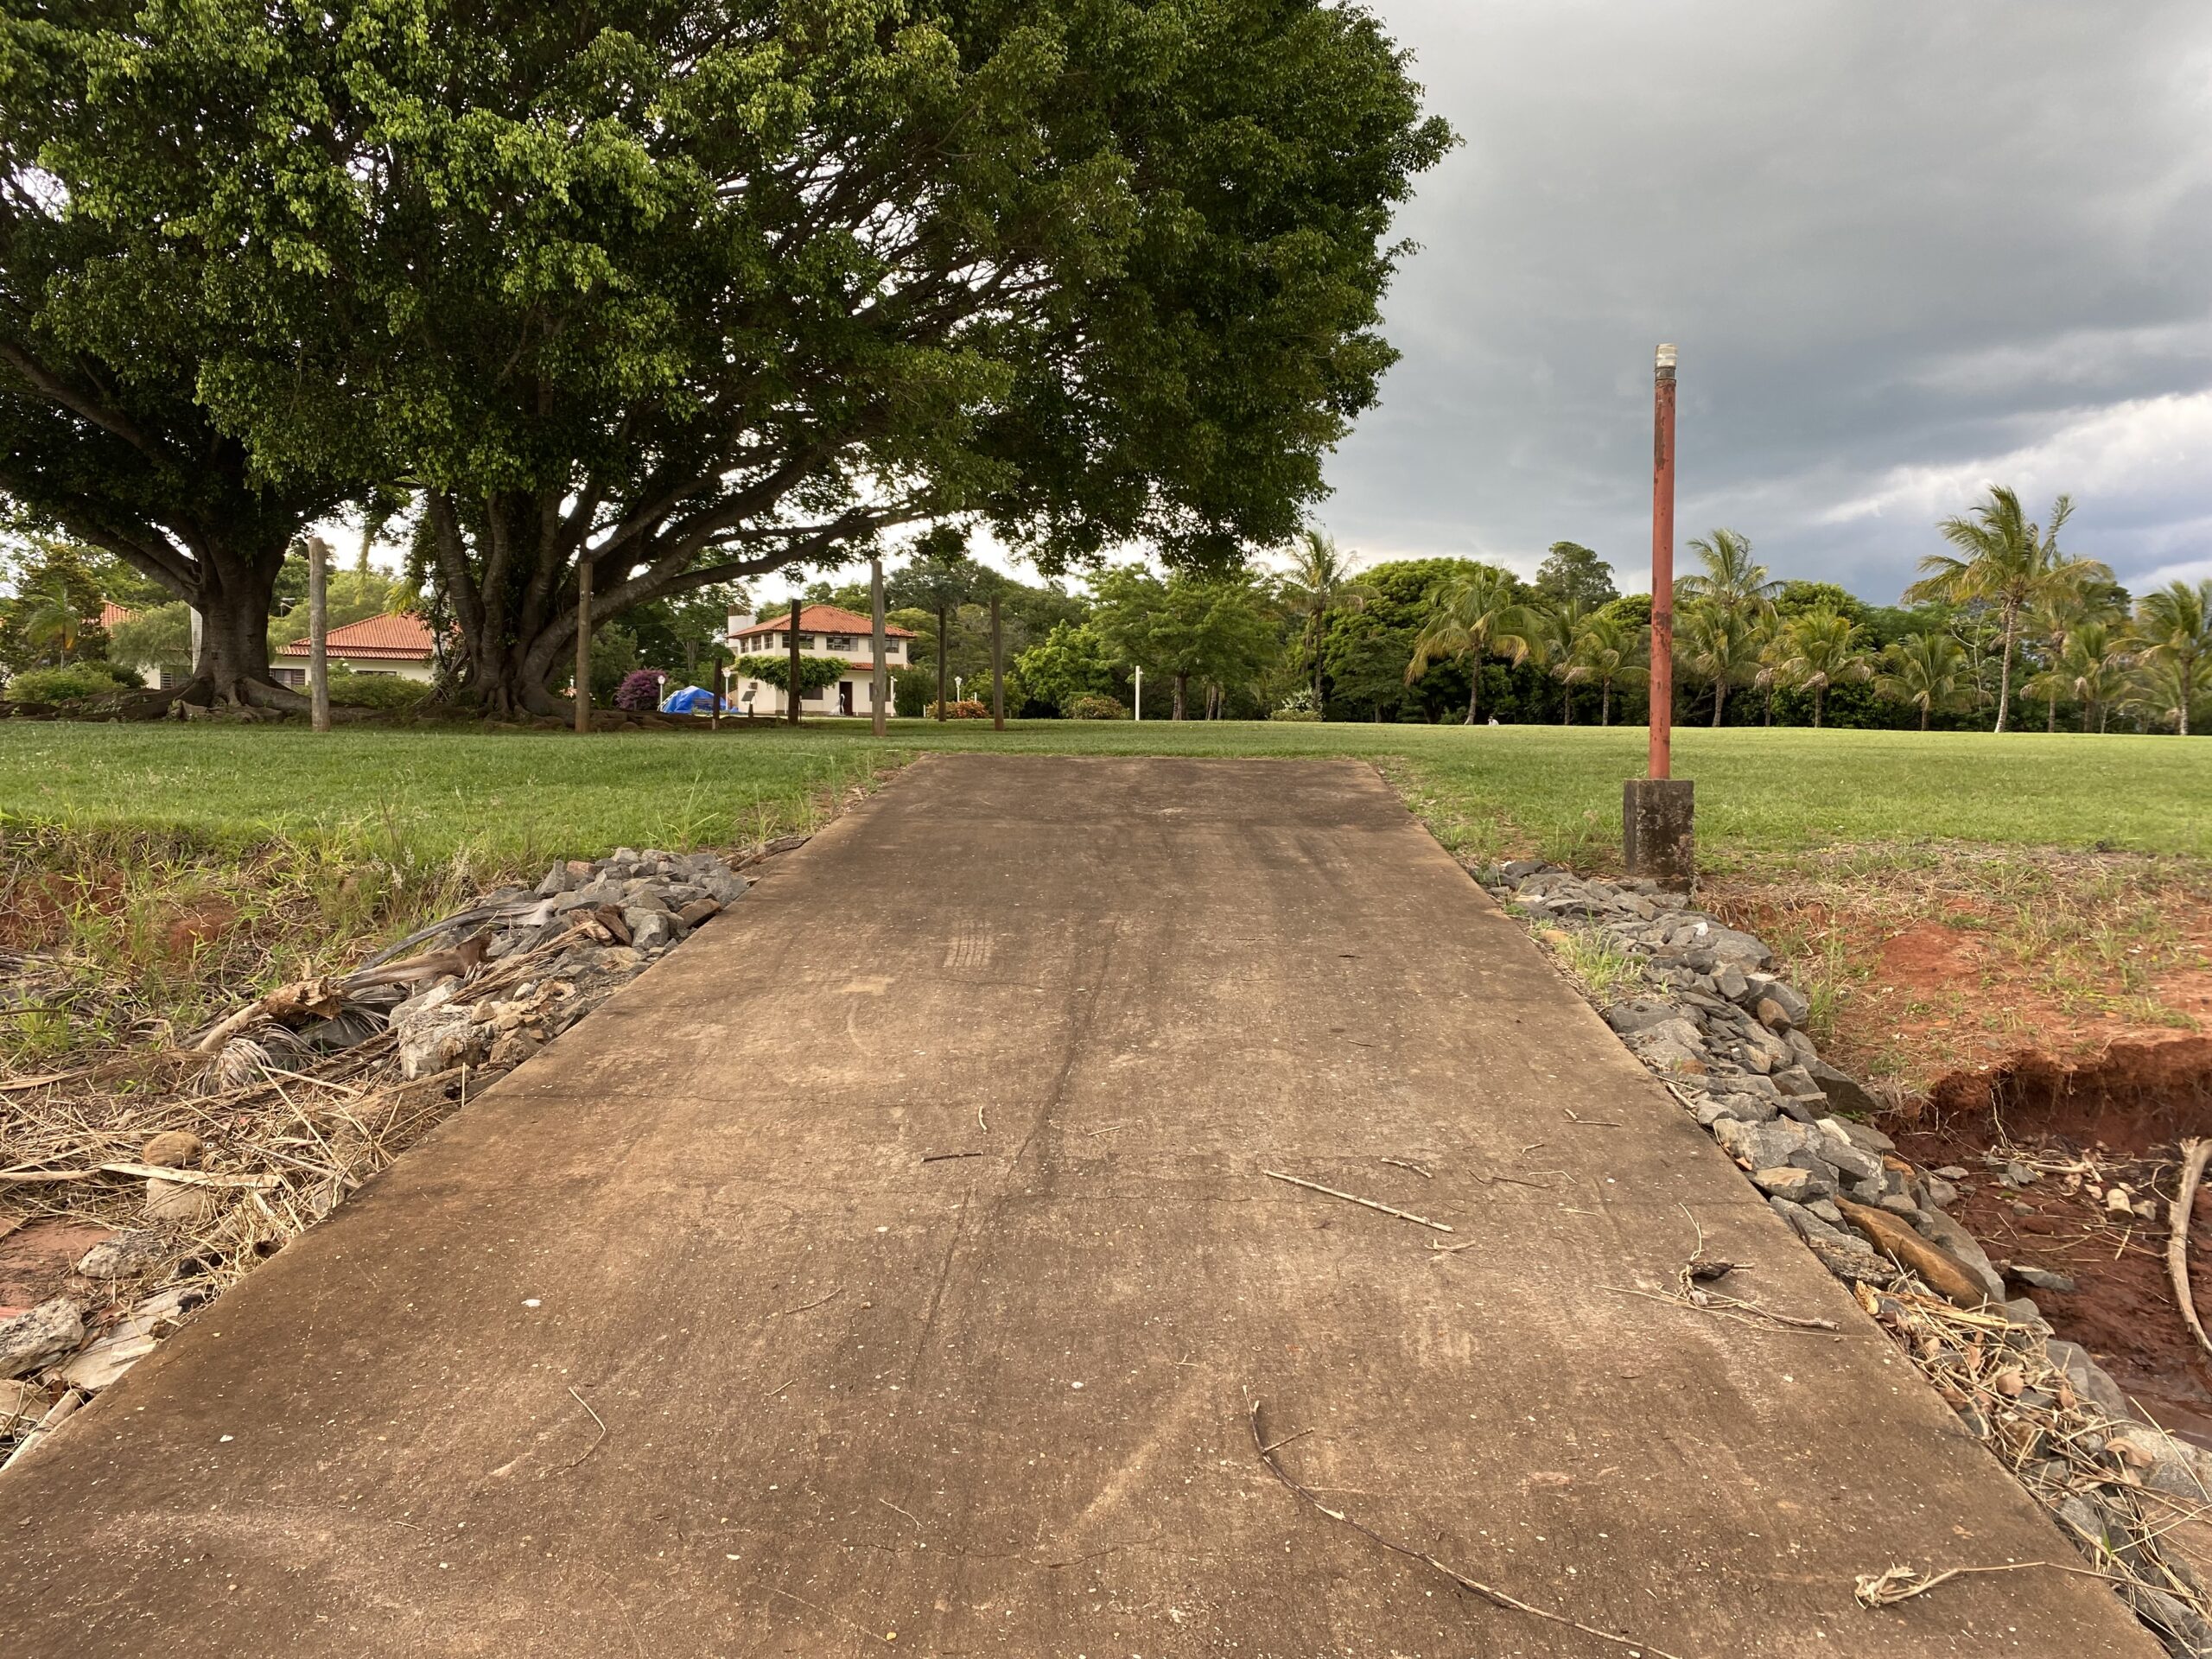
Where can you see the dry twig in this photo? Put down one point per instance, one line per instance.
(1351, 1198)
(2195, 1155)
(1491, 1593)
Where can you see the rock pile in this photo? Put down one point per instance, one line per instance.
(1726, 1034)
(366, 1062)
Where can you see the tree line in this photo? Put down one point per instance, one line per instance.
(681, 294)
(2003, 630)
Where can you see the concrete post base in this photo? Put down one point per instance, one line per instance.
(1658, 826)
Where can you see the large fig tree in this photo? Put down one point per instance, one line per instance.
(699, 291)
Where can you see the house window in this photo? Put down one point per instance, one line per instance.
(289, 675)
(841, 642)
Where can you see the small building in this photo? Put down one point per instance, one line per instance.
(395, 645)
(824, 630)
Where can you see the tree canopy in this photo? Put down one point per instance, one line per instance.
(700, 292)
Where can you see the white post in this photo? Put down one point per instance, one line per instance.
(879, 683)
(1139, 692)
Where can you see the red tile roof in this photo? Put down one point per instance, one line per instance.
(821, 619)
(111, 614)
(405, 638)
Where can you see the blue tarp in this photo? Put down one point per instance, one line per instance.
(692, 701)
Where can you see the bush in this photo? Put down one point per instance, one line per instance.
(639, 691)
(1295, 714)
(73, 683)
(966, 708)
(385, 691)
(1097, 709)
(126, 677)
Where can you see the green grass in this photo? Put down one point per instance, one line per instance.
(520, 797)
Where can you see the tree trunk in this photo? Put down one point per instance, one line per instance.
(318, 634)
(1474, 689)
(1320, 621)
(1719, 700)
(1923, 716)
(942, 642)
(232, 599)
(1820, 695)
(1567, 705)
(1182, 686)
(998, 668)
(1605, 703)
(2004, 674)
(791, 696)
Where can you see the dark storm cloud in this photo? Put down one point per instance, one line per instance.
(1905, 250)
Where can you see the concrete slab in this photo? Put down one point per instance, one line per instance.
(688, 1339)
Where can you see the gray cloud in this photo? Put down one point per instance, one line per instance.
(1905, 250)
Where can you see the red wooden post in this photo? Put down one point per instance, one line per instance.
(1662, 564)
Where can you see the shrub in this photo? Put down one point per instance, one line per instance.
(1097, 709)
(73, 683)
(1295, 714)
(966, 708)
(126, 677)
(385, 691)
(639, 691)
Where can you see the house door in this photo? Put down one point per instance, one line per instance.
(844, 697)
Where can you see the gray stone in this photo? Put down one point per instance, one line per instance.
(643, 895)
(1796, 1009)
(1640, 1013)
(652, 930)
(1897, 1204)
(433, 1041)
(1863, 1135)
(557, 879)
(1844, 1093)
(2041, 1278)
(39, 1335)
(1770, 1015)
(1942, 1194)
(2089, 1378)
(1747, 1109)
(1729, 981)
(1789, 1181)
(1804, 1108)
(1760, 1146)
(1796, 1080)
(1860, 1165)
(726, 885)
(1671, 1046)
(125, 1256)
(2018, 1174)
(1951, 1173)
(1828, 1211)
(2022, 1311)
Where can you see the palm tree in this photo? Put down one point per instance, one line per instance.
(2091, 668)
(2175, 625)
(1719, 644)
(1559, 633)
(2006, 561)
(48, 615)
(1732, 579)
(1773, 656)
(1821, 649)
(1470, 616)
(1607, 650)
(2163, 688)
(1319, 583)
(1927, 669)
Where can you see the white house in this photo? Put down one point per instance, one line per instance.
(394, 646)
(824, 630)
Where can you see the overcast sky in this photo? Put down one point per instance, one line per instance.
(1907, 249)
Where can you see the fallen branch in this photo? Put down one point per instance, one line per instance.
(940, 1157)
(1491, 1593)
(1896, 1584)
(2195, 1155)
(1945, 1274)
(1350, 1197)
(787, 1312)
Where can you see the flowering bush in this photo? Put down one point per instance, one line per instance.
(1097, 709)
(639, 691)
(966, 708)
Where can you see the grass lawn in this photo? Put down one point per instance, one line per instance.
(2057, 885)
(522, 798)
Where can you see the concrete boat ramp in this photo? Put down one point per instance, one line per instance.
(894, 1270)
